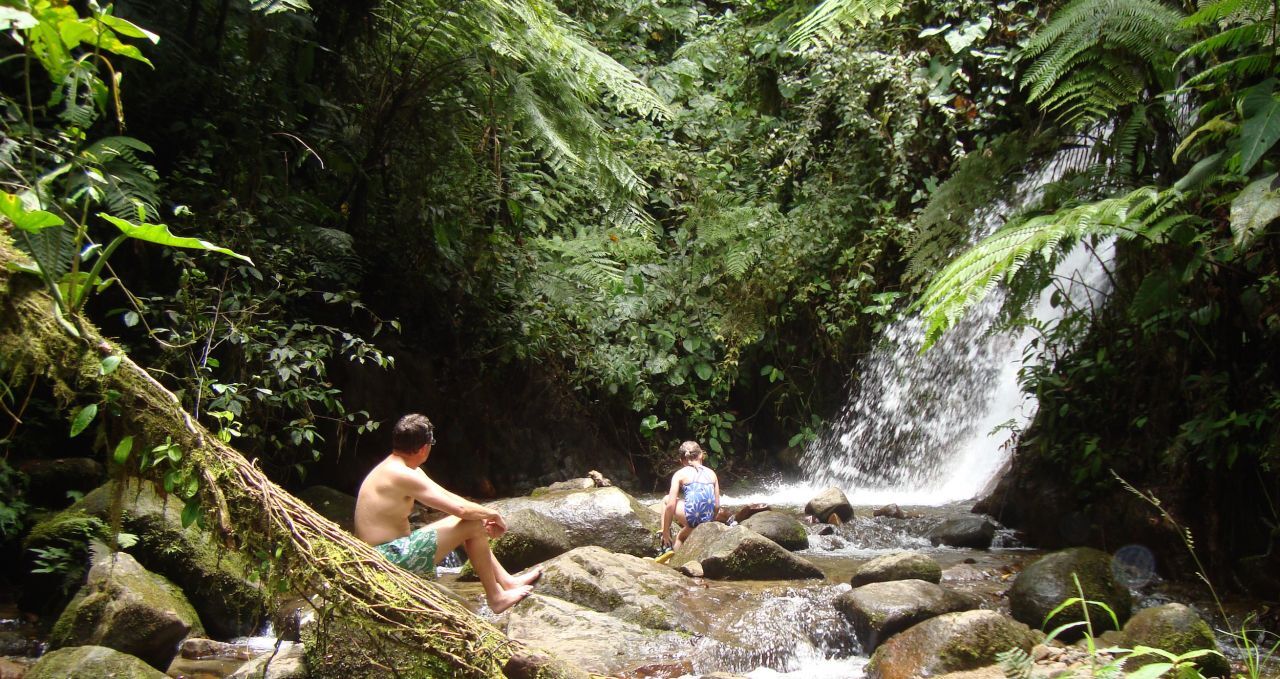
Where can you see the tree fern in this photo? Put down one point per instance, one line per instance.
(827, 21)
(117, 177)
(969, 278)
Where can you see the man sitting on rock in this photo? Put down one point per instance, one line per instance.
(382, 518)
(701, 495)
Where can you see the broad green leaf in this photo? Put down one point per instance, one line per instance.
(83, 419)
(123, 449)
(961, 38)
(32, 221)
(109, 364)
(190, 512)
(1261, 127)
(127, 28)
(704, 371)
(16, 19)
(1253, 209)
(1151, 671)
(159, 233)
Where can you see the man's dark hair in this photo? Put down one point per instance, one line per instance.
(412, 432)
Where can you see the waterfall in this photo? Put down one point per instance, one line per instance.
(934, 428)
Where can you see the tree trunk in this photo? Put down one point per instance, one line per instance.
(400, 622)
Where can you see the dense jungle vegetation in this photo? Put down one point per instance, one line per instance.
(650, 220)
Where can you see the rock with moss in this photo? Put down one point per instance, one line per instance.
(954, 642)
(531, 538)
(780, 527)
(338, 645)
(739, 553)
(604, 517)
(91, 662)
(593, 641)
(898, 566)
(882, 609)
(214, 579)
(1177, 629)
(332, 504)
(1048, 582)
(636, 590)
(125, 607)
(973, 532)
(828, 502)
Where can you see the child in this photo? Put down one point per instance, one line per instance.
(701, 495)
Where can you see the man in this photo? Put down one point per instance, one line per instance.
(382, 518)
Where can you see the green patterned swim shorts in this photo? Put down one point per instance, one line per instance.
(414, 552)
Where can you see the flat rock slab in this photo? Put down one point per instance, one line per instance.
(594, 641)
(604, 517)
(739, 553)
(898, 566)
(637, 590)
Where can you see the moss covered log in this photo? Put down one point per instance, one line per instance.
(405, 623)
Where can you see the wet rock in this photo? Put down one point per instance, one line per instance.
(534, 665)
(15, 668)
(212, 577)
(831, 501)
(332, 504)
(531, 538)
(91, 662)
(593, 641)
(125, 607)
(569, 484)
(738, 553)
(899, 566)
(286, 662)
(605, 517)
(743, 513)
(199, 649)
(821, 529)
(882, 609)
(890, 511)
(953, 642)
(48, 481)
(781, 528)
(19, 637)
(1174, 628)
(637, 590)
(1045, 584)
(991, 672)
(692, 569)
(974, 532)
(663, 670)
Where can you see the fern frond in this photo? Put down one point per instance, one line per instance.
(1255, 33)
(1240, 68)
(122, 181)
(1211, 13)
(972, 275)
(826, 22)
(274, 6)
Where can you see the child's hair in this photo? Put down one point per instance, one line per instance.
(690, 451)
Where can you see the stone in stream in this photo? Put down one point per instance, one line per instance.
(1175, 628)
(828, 502)
(898, 566)
(535, 665)
(781, 528)
(953, 642)
(125, 607)
(531, 538)
(636, 590)
(882, 609)
(974, 532)
(91, 662)
(605, 517)
(593, 641)
(739, 553)
(1045, 584)
(286, 662)
(890, 511)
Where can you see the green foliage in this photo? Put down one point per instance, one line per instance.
(825, 22)
(13, 506)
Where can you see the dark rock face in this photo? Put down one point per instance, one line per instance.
(781, 528)
(738, 553)
(91, 662)
(880, 610)
(332, 504)
(900, 566)
(1177, 629)
(975, 532)
(48, 481)
(952, 642)
(828, 502)
(1048, 582)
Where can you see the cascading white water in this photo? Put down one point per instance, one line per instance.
(926, 429)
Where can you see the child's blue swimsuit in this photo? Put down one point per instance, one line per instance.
(699, 498)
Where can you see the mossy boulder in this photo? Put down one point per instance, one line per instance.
(1177, 629)
(782, 528)
(882, 609)
(828, 502)
(898, 566)
(593, 641)
(973, 532)
(604, 517)
(125, 607)
(332, 504)
(214, 578)
(630, 588)
(531, 538)
(739, 553)
(1046, 583)
(953, 642)
(91, 662)
(337, 645)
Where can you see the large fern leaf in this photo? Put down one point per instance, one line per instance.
(827, 21)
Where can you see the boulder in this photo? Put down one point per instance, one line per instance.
(205, 657)
(882, 609)
(1045, 584)
(535, 665)
(593, 641)
(636, 590)
(898, 566)
(890, 511)
(828, 502)
(531, 538)
(91, 662)
(605, 517)
(738, 553)
(953, 642)
(125, 607)
(286, 662)
(49, 481)
(213, 578)
(570, 484)
(779, 527)
(1177, 629)
(332, 504)
(974, 532)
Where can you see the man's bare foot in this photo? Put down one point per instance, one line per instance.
(524, 578)
(508, 598)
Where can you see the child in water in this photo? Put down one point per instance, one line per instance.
(701, 496)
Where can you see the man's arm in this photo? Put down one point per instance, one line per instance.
(432, 494)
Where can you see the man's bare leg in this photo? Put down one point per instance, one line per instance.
(501, 590)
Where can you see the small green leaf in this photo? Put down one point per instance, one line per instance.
(1151, 671)
(1253, 209)
(159, 233)
(83, 419)
(109, 364)
(704, 370)
(190, 512)
(123, 448)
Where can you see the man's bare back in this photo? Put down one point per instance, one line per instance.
(385, 502)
